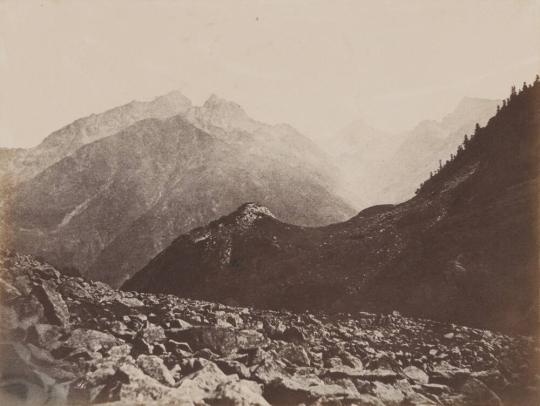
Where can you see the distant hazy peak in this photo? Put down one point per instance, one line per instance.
(359, 124)
(427, 126)
(470, 109)
(215, 102)
(468, 102)
(174, 97)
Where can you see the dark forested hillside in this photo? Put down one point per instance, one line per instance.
(463, 249)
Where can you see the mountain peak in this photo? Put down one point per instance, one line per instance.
(215, 102)
(468, 111)
(474, 103)
(252, 211)
(213, 99)
(175, 99)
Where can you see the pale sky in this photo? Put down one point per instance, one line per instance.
(317, 65)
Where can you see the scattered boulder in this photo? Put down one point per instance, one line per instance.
(447, 374)
(55, 309)
(295, 354)
(91, 341)
(293, 334)
(239, 393)
(293, 391)
(152, 333)
(388, 394)
(416, 374)
(153, 366)
(46, 336)
(221, 340)
(130, 385)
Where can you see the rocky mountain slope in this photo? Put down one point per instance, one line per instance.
(67, 340)
(463, 249)
(402, 161)
(24, 164)
(110, 206)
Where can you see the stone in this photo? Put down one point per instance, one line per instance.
(153, 366)
(234, 367)
(90, 340)
(285, 390)
(21, 383)
(334, 362)
(238, 393)
(47, 336)
(222, 341)
(350, 360)
(268, 370)
(273, 327)
(153, 333)
(140, 346)
(71, 288)
(293, 334)
(247, 339)
(475, 392)
(435, 388)
(492, 378)
(131, 386)
(416, 374)
(175, 346)
(388, 394)
(55, 309)
(119, 352)
(159, 349)
(129, 301)
(295, 354)
(381, 375)
(180, 324)
(447, 374)
(205, 379)
(119, 329)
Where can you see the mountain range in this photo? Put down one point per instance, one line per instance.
(108, 192)
(461, 249)
(401, 160)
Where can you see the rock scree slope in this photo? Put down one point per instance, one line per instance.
(68, 340)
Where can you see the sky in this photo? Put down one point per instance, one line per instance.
(317, 65)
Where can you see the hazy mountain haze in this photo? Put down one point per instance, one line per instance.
(314, 64)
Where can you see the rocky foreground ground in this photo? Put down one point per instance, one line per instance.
(66, 340)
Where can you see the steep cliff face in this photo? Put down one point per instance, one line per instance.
(460, 250)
